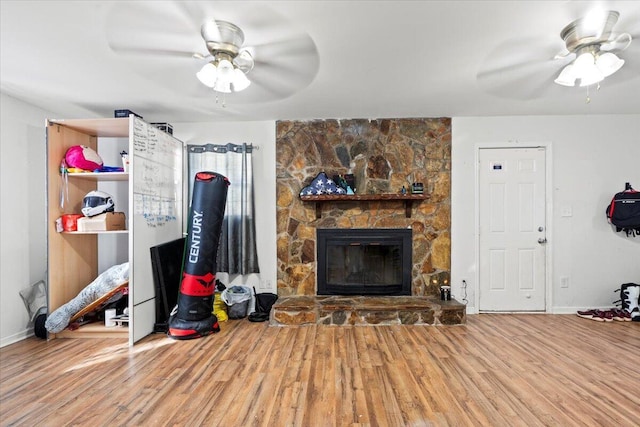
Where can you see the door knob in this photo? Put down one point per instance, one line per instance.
(542, 240)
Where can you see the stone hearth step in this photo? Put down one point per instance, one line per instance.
(361, 310)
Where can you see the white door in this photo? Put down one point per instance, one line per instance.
(512, 229)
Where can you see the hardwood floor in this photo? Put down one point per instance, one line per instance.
(497, 370)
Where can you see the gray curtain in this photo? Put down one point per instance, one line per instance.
(237, 251)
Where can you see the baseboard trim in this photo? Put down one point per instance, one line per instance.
(471, 310)
(11, 339)
(573, 310)
(552, 310)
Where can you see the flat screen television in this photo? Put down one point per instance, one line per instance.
(166, 265)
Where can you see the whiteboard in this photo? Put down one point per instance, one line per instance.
(156, 206)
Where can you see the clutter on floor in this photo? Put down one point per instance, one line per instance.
(264, 303)
(102, 289)
(237, 299)
(627, 311)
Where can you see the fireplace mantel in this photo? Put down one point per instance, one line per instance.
(408, 200)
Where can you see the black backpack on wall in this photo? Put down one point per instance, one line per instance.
(624, 211)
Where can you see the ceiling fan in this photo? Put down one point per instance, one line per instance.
(199, 48)
(591, 42)
(525, 68)
(228, 62)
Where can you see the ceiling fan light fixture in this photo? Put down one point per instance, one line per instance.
(584, 61)
(589, 70)
(225, 70)
(586, 70)
(567, 76)
(208, 74)
(230, 63)
(591, 78)
(221, 77)
(608, 63)
(222, 86)
(240, 81)
(591, 40)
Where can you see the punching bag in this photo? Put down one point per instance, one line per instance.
(194, 316)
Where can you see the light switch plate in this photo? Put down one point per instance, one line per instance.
(566, 211)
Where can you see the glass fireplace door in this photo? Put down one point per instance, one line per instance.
(364, 262)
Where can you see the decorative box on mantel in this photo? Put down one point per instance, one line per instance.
(408, 200)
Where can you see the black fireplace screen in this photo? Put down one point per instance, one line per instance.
(364, 261)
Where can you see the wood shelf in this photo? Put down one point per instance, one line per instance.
(97, 232)
(408, 200)
(116, 127)
(100, 176)
(94, 330)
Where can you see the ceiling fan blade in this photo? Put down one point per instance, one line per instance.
(631, 68)
(194, 13)
(164, 53)
(520, 82)
(521, 68)
(162, 29)
(244, 61)
(281, 69)
(563, 54)
(281, 80)
(298, 46)
(284, 59)
(617, 43)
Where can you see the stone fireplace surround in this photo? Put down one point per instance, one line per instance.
(384, 155)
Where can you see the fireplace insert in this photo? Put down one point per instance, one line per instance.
(364, 261)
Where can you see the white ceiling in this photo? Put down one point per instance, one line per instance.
(374, 59)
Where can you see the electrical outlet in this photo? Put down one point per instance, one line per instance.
(564, 282)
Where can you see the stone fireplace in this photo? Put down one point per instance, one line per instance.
(384, 155)
(364, 261)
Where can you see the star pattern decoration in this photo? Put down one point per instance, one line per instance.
(322, 184)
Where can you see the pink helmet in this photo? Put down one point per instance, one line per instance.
(83, 157)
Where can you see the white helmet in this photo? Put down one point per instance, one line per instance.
(97, 202)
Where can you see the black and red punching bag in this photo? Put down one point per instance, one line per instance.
(194, 316)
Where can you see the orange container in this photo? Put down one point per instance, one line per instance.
(70, 222)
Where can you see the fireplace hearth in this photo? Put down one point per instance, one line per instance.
(364, 261)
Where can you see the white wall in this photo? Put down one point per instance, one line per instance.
(23, 202)
(22, 211)
(592, 158)
(263, 136)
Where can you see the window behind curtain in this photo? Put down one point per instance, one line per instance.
(237, 251)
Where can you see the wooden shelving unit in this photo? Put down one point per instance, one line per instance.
(408, 200)
(72, 257)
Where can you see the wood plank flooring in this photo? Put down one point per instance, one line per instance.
(497, 370)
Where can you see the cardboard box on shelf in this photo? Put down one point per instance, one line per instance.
(108, 221)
